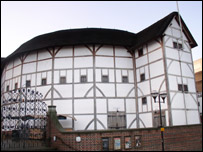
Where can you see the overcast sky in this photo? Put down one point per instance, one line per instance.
(21, 20)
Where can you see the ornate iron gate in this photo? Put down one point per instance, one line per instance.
(23, 120)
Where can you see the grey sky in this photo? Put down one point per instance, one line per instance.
(21, 20)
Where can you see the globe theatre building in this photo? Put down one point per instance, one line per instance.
(103, 78)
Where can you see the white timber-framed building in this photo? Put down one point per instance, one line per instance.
(103, 78)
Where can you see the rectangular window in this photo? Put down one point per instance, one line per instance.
(142, 77)
(44, 81)
(28, 83)
(7, 88)
(177, 45)
(83, 79)
(62, 80)
(125, 79)
(180, 87)
(105, 78)
(116, 120)
(16, 86)
(144, 101)
(140, 52)
(185, 88)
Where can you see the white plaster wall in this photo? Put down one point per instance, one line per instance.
(65, 52)
(130, 118)
(103, 119)
(152, 45)
(147, 119)
(191, 102)
(81, 51)
(31, 57)
(83, 62)
(82, 121)
(63, 63)
(130, 106)
(81, 89)
(101, 105)
(144, 88)
(177, 100)
(187, 70)
(63, 106)
(155, 55)
(121, 51)
(193, 117)
(17, 71)
(141, 61)
(64, 90)
(178, 117)
(107, 89)
(124, 89)
(105, 50)
(83, 106)
(44, 65)
(124, 63)
(116, 104)
(43, 54)
(156, 68)
(104, 62)
(173, 67)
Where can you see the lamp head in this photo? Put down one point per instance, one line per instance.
(163, 95)
(154, 95)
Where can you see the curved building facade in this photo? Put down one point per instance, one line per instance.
(103, 78)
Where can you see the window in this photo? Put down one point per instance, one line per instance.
(105, 144)
(16, 86)
(28, 83)
(177, 45)
(144, 101)
(7, 88)
(44, 81)
(140, 52)
(180, 87)
(125, 79)
(105, 78)
(185, 88)
(62, 80)
(116, 120)
(142, 77)
(83, 79)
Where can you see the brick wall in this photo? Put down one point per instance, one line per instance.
(175, 138)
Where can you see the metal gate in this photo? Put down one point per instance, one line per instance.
(23, 120)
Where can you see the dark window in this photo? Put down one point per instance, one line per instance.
(180, 87)
(177, 45)
(116, 120)
(185, 88)
(44, 81)
(7, 88)
(140, 52)
(16, 86)
(144, 101)
(142, 77)
(124, 79)
(83, 79)
(62, 80)
(28, 83)
(105, 78)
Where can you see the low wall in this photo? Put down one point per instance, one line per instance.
(178, 138)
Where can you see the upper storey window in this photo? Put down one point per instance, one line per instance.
(62, 80)
(28, 83)
(124, 79)
(177, 45)
(44, 81)
(140, 52)
(83, 79)
(105, 78)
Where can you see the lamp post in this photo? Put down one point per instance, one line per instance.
(163, 96)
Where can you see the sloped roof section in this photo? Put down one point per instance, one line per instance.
(100, 36)
(157, 29)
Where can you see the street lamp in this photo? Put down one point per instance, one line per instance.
(163, 96)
